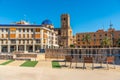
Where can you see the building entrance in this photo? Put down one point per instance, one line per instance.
(4, 49)
(21, 48)
(12, 48)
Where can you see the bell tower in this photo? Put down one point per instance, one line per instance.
(66, 31)
(65, 21)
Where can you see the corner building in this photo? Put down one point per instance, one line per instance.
(23, 36)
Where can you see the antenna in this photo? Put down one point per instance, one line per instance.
(103, 27)
(111, 25)
(24, 17)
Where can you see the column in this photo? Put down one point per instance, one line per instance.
(33, 48)
(48, 39)
(8, 46)
(17, 48)
(16, 45)
(41, 32)
(33, 45)
(0, 48)
(25, 46)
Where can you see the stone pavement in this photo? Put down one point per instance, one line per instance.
(16, 63)
(44, 64)
(2, 61)
(43, 73)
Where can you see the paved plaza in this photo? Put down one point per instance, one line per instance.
(45, 73)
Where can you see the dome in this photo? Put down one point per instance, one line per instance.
(47, 22)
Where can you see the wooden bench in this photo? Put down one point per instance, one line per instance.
(88, 60)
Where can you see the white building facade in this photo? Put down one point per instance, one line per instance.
(26, 37)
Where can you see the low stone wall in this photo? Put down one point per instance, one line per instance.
(5, 56)
(25, 56)
(55, 53)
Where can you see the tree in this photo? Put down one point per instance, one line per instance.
(118, 42)
(72, 46)
(106, 42)
(87, 39)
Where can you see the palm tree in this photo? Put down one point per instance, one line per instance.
(72, 46)
(118, 42)
(106, 42)
(87, 39)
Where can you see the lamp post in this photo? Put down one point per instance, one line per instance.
(112, 39)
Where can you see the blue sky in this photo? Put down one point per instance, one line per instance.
(86, 15)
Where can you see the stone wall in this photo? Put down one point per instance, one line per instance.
(55, 53)
(5, 56)
(80, 52)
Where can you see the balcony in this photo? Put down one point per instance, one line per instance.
(13, 42)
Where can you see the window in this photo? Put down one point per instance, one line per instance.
(23, 41)
(23, 35)
(2, 35)
(6, 41)
(27, 41)
(37, 41)
(94, 35)
(19, 35)
(27, 35)
(105, 34)
(27, 30)
(6, 35)
(19, 30)
(6, 30)
(56, 43)
(19, 41)
(78, 39)
(31, 30)
(32, 35)
(37, 30)
(100, 35)
(2, 30)
(64, 19)
(83, 42)
(23, 30)
(2, 41)
(13, 41)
